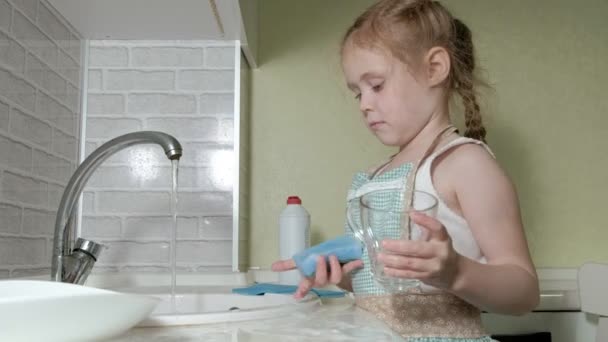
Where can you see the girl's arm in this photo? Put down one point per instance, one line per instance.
(488, 201)
(481, 192)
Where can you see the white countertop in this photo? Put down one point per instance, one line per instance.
(335, 320)
(340, 320)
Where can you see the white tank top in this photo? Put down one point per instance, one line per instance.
(462, 237)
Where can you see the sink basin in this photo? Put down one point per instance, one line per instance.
(193, 305)
(202, 298)
(33, 310)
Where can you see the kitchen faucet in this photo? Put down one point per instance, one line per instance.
(71, 262)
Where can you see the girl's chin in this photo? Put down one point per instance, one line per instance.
(388, 141)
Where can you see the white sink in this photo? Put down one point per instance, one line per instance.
(32, 310)
(194, 305)
(203, 298)
(143, 300)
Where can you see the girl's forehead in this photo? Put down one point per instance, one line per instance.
(362, 61)
(357, 58)
(356, 51)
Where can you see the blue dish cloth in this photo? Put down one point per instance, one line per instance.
(259, 289)
(345, 248)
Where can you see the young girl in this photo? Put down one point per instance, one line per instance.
(404, 60)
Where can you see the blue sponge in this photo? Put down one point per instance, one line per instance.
(345, 248)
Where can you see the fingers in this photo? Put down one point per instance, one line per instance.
(320, 278)
(322, 275)
(406, 263)
(335, 271)
(436, 229)
(321, 272)
(283, 265)
(304, 287)
(352, 265)
(409, 248)
(407, 274)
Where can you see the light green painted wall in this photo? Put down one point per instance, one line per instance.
(547, 118)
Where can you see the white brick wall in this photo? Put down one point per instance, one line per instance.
(5, 15)
(148, 104)
(39, 120)
(174, 56)
(20, 250)
(10, 219)
(185, 89)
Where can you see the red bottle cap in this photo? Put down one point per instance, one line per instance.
(294, 200)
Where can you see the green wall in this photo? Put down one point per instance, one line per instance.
(547, 118)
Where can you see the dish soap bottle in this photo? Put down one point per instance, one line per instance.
(294, 236)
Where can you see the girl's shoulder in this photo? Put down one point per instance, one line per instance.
(466, 152)
(462, 151)
(469, 163)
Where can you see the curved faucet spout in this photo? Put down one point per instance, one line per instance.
(63, 235)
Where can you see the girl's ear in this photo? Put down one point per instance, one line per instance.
(437, 64)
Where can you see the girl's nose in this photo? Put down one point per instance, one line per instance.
(365, 105)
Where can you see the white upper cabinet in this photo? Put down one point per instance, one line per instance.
(164, 20)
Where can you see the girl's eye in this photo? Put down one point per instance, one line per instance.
(358, 97)
(378, 87)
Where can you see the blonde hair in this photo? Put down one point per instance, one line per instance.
(409, 28)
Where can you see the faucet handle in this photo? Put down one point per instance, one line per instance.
(90, 247)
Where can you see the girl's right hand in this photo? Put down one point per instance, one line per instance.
(322, 276)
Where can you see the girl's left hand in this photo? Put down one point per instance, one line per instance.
(434, 262)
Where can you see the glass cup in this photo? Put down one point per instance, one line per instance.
(380, 215)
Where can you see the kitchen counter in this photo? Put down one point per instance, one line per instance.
(339, 320)
(335, 320)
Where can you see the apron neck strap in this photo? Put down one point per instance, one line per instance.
(410, 180)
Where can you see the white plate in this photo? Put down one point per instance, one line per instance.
(51, 311)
